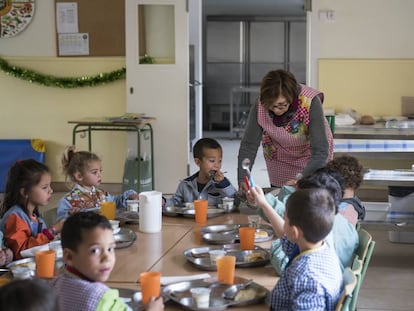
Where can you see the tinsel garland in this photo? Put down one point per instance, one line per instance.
(66, 82)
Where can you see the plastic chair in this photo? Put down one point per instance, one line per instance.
(364, 240)
(363, 253)
(350, 283)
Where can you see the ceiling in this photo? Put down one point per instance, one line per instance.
(254, 7)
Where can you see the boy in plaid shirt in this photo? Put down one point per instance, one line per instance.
(313, 278)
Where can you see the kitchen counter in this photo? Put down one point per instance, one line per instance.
(384, 140)
(399, 130)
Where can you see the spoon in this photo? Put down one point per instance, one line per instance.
(231, 292)
(246, 166)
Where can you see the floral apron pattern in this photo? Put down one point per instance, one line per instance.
(286, 149)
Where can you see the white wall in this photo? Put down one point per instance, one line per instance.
(195, 38)
(39, 37)
(362, 29)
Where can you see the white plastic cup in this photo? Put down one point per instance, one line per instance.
(216, 253)
(132, 205)
(228, 204)
(201, 296)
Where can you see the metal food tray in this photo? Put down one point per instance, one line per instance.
(175, 211)
(228, 234)
(28, 262)
(199, 256)
(180, 293)
(127, 217)
(125, 238)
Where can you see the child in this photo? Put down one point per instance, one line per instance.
(89, 254)
(28, 295)
(353, 173)
(209, 182)
(27, 188)
(344, 237)
(6, 254)
(313, 278)
(85, 170)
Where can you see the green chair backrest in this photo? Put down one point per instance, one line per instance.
(364, 239)
(350, 282)
(362, 254)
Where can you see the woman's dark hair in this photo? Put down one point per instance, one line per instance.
(24, 174)
(313, 211)
(76, 224)
(278, 83)
(28, 295)
(202, 143)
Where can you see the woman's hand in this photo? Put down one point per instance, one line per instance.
(291, 182)
(243, 187)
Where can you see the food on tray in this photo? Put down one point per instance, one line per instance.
(245, 295)
(252, 257)
(30, 265)
(260, 234)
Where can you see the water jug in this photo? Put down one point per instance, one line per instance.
(150, 211)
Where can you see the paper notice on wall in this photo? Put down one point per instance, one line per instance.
(67, 17)
(73, 44)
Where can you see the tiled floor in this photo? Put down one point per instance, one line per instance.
(389, 282)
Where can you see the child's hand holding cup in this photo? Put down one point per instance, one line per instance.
(150, 285)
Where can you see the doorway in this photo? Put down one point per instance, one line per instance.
(239, 51)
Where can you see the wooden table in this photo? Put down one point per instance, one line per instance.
(163, 252)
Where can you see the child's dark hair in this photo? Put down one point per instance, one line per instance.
(28, 295)
(76, 161)
(202, 143)
(327, 179)
(313, 211)
(24, 174)
(76, 224)
(351, 170)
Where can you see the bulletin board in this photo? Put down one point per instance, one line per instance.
(104, 21)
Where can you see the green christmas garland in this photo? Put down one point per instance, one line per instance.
(52, 81)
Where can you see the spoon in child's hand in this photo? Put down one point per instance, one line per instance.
(246, 166)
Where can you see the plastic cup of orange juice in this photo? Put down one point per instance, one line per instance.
(246, 235)
(201, 207)
(225, 269)
(150, 285)
(45, 264)
(108, 210)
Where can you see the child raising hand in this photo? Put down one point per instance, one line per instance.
(84, 169)
(27, 188)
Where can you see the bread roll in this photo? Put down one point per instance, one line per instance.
(367, 120)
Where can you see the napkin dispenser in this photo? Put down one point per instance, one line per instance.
(150, 211)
